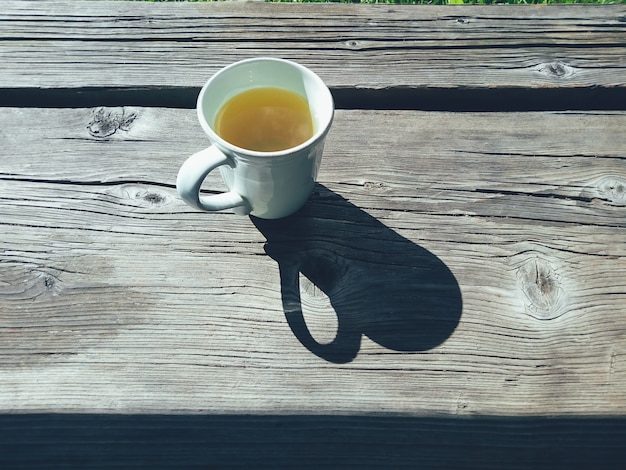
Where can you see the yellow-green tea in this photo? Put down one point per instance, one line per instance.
(265, 120)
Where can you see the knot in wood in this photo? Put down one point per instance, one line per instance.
(542, 289)
(152, 197)
(44, 286)
(24, 282)
(324, 271)
(106, 122)
(139, 195)
(613, 190)
(556, 69)
(373, 186)
(48, 282)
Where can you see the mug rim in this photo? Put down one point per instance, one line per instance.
(216, 139)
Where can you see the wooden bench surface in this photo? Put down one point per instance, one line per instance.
(139, 44)
(460, 267)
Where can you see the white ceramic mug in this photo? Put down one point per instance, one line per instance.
(268, 185)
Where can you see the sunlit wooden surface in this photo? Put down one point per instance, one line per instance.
(453, 294)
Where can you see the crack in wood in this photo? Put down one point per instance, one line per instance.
(544, 155)
(502, 192)
(19, 178)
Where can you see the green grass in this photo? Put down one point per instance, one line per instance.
(464, 2)
(439, 2)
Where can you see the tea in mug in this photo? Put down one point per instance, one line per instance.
(265, 120)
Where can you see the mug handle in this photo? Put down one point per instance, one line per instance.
(193, 172)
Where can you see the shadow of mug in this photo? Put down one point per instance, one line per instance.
(379, 283)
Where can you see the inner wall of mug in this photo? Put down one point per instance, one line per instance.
(261, 73)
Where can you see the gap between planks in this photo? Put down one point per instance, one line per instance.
(391, 98)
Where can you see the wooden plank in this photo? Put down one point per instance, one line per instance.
(237, 441)
(492, 242)
(74, 44)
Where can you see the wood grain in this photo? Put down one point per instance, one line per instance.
(139, 45)
(451, 296)
(238, 441)
(115, 296)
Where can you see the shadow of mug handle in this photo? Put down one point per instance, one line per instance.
(379, 284)
(347, 342)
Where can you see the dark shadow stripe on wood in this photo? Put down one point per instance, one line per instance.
(310, 441)
(399, 98)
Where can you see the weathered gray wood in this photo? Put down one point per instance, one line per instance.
(452, 296)
(308, 441)
(76, 44)
(116, 297)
